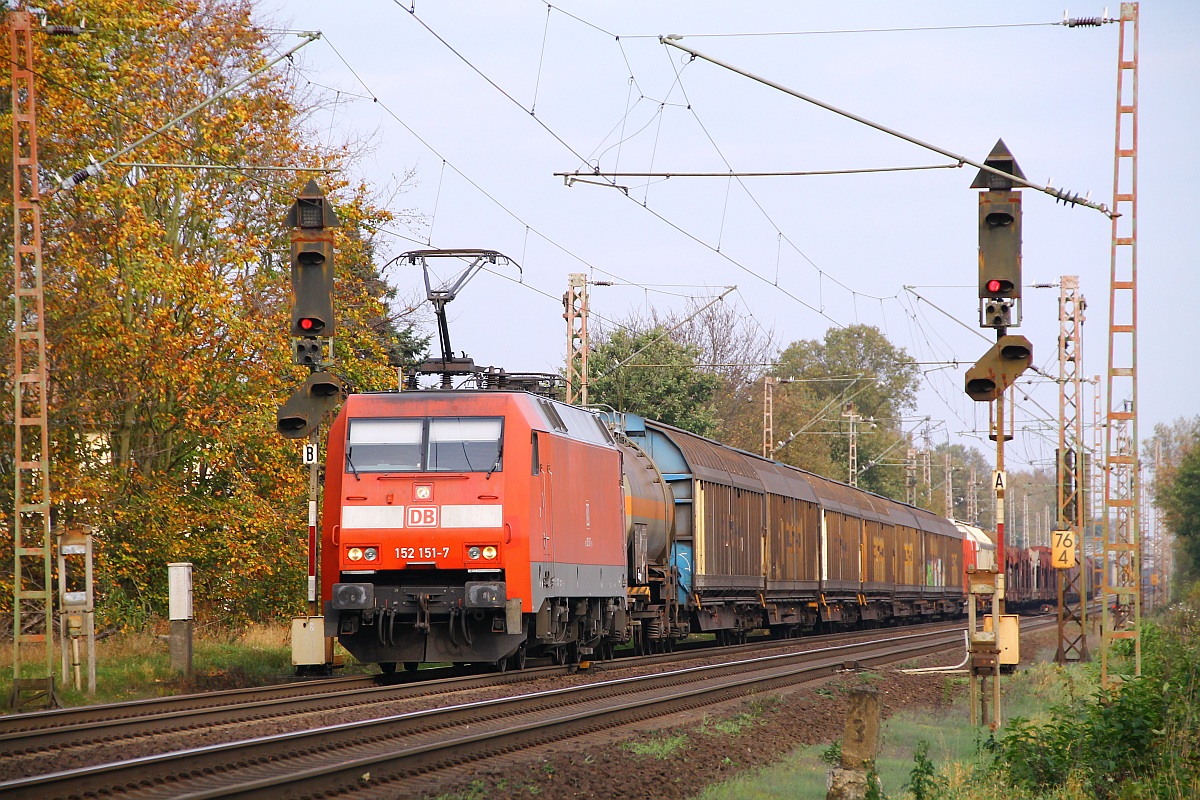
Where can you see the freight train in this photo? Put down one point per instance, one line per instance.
(485, 526)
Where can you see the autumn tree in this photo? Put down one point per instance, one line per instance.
(731, 345)
(166, 303)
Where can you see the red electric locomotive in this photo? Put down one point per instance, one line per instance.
(478, 526)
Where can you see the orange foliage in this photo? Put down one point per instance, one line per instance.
(167, 304)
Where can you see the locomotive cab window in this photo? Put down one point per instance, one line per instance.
(384, 445)
(464, 444)
(438, 444)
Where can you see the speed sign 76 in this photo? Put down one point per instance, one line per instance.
(1062, 549)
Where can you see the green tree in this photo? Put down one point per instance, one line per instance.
(1175, 449)
(1180, 500)
(646, 372)
(858, 365)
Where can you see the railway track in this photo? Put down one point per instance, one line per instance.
(86, 726)
(387, 751)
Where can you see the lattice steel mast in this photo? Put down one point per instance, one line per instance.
(1072, 605)
(33, 609)
(575, 312)
(1122, 542)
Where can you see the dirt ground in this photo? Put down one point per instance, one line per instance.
(756, 733)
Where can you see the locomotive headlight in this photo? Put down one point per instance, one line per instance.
(473, 553)
(371, 553)
(354, 554)
(489, 552)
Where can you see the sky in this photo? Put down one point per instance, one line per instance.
(483, 102)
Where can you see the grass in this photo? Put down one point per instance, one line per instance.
(955, 747)
(136, 665)
(951, 740)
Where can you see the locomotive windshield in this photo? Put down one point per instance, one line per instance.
(435, 444)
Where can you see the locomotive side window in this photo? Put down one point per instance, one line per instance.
(384, 445)
(464, 444)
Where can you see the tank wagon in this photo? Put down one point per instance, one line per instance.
(491, 526)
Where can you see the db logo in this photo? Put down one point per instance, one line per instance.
(422, 516)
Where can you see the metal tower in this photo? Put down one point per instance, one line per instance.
(972, 499)
(910, 477)
(1162, 541)
(852, 456)
(1072, 606)
(1122, 610)
(33, 609)
(948, 485)
(575, 305)
(769, 382)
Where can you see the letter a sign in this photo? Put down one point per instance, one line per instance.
(999, 481)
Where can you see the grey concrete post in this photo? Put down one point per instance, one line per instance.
(180, 605)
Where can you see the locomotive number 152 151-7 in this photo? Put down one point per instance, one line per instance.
(422, 552)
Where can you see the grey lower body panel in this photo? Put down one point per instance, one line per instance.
(550, 580)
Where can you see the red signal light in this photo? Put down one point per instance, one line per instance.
(992, 285)
(308, 323)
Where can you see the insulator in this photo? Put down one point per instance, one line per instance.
(1066, 197)
(1085, 22)
(63, 30)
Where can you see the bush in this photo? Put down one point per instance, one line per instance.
(1138, 739)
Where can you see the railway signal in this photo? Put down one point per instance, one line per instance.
(999, 368)
(311, 219)
(304, 410)
(999, 240)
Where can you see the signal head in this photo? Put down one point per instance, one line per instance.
(998, 287)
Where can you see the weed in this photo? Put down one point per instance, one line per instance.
(730, 726)
(869, 678)
(951, 688)
(824, 691)
(658, 748)
(478, 790)
(833, 753)
(874, 787)
(923, 781)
